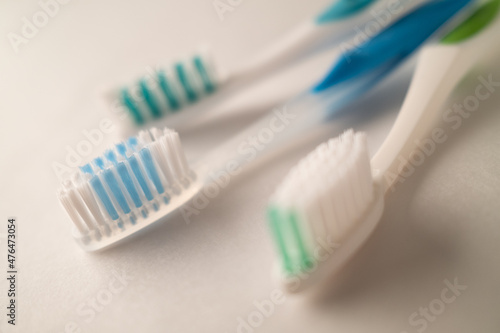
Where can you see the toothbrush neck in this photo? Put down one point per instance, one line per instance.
(281, 127)
(275, 130)
(421, 110)
(303, 41)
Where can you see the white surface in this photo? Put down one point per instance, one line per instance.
(442, 223)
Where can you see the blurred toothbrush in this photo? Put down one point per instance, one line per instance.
(146, 178)
(165, 92)
(330, 203)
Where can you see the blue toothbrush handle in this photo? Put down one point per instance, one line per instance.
(393, 43)
(340, 10)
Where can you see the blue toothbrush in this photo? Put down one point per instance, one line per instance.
(164, 92)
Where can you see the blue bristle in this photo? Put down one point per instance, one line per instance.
(118, 182)
(132, 143)
(110, 155)
(129, 184)
(110, 179)
(87, 168)
(121, 149)
(134, 165)
(99, 163)
(103, 196)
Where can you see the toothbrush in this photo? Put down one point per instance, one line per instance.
(186, 82)
(329, 204)
(146, 178)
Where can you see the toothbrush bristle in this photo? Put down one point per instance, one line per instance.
(110, 156)
(166, 91)
(126, 184)
(99, 162)
(121, 149)
(320, 200)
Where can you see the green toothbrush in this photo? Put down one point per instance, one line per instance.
(330, 203)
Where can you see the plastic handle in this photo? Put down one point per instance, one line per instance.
(441, 67)
(341, 10)
(394, 43)
(478, 21)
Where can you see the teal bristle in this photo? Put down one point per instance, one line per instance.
(131, 106)
(187, 82)
(172, 99)
(202, 71)
(150, 100)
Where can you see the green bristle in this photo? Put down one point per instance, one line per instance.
(285, 227)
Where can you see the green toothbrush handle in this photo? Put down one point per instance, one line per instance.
(477, 22)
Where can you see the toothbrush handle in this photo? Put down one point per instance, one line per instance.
(446, 65)
(325, 31)
(294, 46)
(423, 101)
(281, 127)
(265, 135)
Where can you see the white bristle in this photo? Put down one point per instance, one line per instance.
(330, 190)
(170, 147)
(180, 155)
(107, 196)
(80, 207)
(163, 160)
(90, 201)
(71, 210)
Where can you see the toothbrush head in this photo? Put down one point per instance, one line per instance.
(324, 210)
(163, 92)
(130, 186)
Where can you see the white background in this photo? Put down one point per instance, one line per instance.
(442, 223)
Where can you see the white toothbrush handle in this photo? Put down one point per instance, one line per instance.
(283, 125)
(440, 69)
(310, 35)
(276, 129)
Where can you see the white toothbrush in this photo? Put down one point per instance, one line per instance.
(166, 91)
(336, 195)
